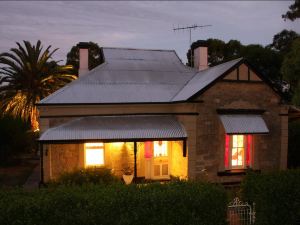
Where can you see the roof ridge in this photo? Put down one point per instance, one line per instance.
(139, 49)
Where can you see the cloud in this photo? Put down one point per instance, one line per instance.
(139, 24)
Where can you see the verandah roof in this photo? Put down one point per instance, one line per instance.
(112, 128)
(244, 124)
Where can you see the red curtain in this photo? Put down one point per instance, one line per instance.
(226, 156)
(148, 149)
(249, 150)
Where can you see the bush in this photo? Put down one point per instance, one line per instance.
(276, 195)
(294, 145)
(88, 176)
(182, 203)
(15, 139)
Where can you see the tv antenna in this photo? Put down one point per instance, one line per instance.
(190, 28)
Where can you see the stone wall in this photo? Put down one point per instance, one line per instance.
(268, 149)
(63, 158)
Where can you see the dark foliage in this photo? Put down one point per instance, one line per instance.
(95, 57)
(294, 145)
(88, 176)
(178, 203)
(282, 41)
(294, 11)
(15, 139)
(267, 60)
(276, 195)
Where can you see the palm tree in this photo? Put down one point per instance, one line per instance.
(26, 77)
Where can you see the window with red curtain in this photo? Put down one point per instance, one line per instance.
(238, 151)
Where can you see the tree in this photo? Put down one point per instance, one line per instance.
(216, 49)
(95, 57)
(283, 40)
(26, 77)
(267, 60)
(291, 70)
(294, 11)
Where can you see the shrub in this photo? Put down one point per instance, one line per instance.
(294, 145)
(176, 203)
(276, 195)
(88, 176)
(15, 139)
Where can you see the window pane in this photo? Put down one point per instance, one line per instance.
(241, 156)
(240, 140)
(94, 157)
(94, 154)
(234, 157)
(160, 148)
(234, 141)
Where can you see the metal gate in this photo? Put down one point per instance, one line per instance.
(240, 213)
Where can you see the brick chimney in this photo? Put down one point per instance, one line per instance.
(201, 57)
(83, 58)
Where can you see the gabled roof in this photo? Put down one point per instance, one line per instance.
(202, 79)
(137, 76)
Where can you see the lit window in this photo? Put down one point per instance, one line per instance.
(238, 150)
(160, 148)
(94, 154)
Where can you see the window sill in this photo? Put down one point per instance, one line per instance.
(236, 172)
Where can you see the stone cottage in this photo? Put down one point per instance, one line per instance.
(146, 110)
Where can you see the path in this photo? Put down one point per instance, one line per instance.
(34, 179)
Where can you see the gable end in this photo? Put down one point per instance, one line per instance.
(232, 75)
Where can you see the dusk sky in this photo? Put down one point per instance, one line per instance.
(139, 24)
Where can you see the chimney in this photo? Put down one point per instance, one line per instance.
(200, 57)
(83, 58)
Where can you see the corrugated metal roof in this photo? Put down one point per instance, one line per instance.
(128, 75)
(244, 124)
(202, 79)
(137, 75)
(116, 128)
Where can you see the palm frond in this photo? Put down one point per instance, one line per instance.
(29, 76)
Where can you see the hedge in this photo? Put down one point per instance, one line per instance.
(103, 176)
(276, 195)
(182, 203)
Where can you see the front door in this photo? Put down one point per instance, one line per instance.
(160, 163)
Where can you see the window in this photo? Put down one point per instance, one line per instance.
(160, 148)
(238, 151)
(94, 154)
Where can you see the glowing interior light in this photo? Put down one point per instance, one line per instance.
(160, 148)
(237, 151)
(94, 154)
(88, 145)
(117, 144)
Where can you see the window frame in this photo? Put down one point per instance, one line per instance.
(247, 155)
